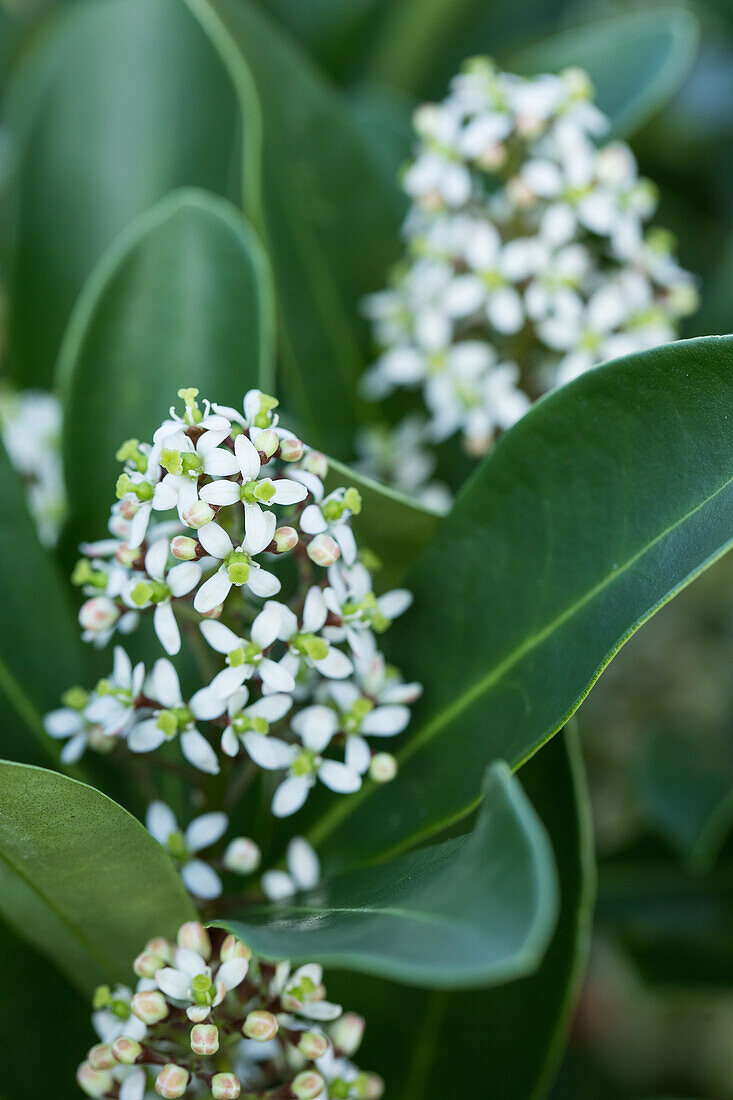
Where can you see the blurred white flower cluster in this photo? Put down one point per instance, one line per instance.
(528, 257)
(30, 427)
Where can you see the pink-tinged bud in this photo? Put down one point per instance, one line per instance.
(265, 440)
(204, 1039)
(383, 767)
(312, 1045)
(184, 548)
(126, 1050)
(94, 1082)
(260, 1026)
(347, 1033)
(232, 948)
(242, 856)
(101, 1057)
(172, 1082)
(285, 538)
(194, 936)
(225, 1086)
(125, 556)
(308, 1085)
(146, 964)
(291, 450)
(198, 514)
(369, 1086)
(316, 463)
(128, 507)
(323, 550)
(150, 1006)
(160, 946)
(97, 614)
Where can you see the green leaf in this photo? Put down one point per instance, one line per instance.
(687, 796)
(82, 880)
(391, 525)
(608, 497)
(469, 912)
(104, 111)
(637, 60)
(182, 298)
(41, 652)
(404, 1025)
(329, 220)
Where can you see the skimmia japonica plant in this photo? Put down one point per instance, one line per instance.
(289, 789)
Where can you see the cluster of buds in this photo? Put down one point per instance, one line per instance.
(209, 1019)
(297, 683)
(30, 427)
(528, 257)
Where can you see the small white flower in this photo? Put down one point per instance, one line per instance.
(167, 584)
(238, 567)
(177, 718)
(246, 656)
(332, 517)
(198, 876)
(192, 985)
(115, 1018)
(303, 766)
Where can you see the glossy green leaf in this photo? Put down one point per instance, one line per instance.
(41, 653)
(80, 877)
(329, 219)
(687, 796)
(469, 912)
(405, 1026)
(182, 298)
(606, 499)
(637, 60)
(113, 106)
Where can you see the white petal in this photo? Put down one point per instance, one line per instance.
(274, 676)
(268, 752)
(313, 484)
(63, 722)
(200, 879)
(156, 558)
(166, 627)
(146, 737)
(73, 749)
(226, 682)
(206, 830)
(335, 665)
(288, 492)
(262, 583)
(229, 742)
(347, 543)
(215, 540)
(121, 667)
(220, 493)
(160, 821)
(271, 707)
(257, 526)
(303, 863)
(395, 603)
(385, 721)
(290, 796)
(207, 704)
(219, 462)
(338, 777)
(199, 752)
(232, 972)
(165, 495)
(139, 525)
(247, 457)
(277, 885)
(265, 533)
(504, 310)
(220, 637)
(212, 592)
(182, 578)
(266, 626)
(174, 983)
(316, 726)
(165, 686)
(315, 611)
(312, 521)
(133, 1087)
(358, 756)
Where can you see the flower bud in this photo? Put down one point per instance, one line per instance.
(198, 514)
(146, 964)
(291, 450)
(316, 463)
(128, 507)
(285, 538)
(160, 946)
(347, 1033)
(312, 1045)
(369, 1086)
(261, 1026)
(242, 856)
(323, 550)
(184, 548)
(126, 1050)
(172, 1081)
(101, 1057)
(232, 948)
(225, 1086)
(383, 767)
(94, 1082)
(265, 440)
(308, 1085)
(204, 1039)
(99, 613)
(194, 936)
(150, 1006)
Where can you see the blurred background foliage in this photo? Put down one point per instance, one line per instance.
(110, 105)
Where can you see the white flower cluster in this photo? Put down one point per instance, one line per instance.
(528, 257)
(30, 427)
(211, 1019)
(301, 685)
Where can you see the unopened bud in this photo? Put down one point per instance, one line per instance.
(184, 548)
(99, 613)
(369, 1086)
(261, 1026)
(323, 550)
(160, 946)
(146, 964)
(285, 538)
(308, 1085)
(126, 1050)
(347, 1033)
(194, 936)
(265, 440)
(232, 948)
(291, 450)
(383, 767)
(312, 1045)
(94, 1082)
(172, 1081)
(225, 1086)
(242, 856)
(204, 1039)
(316, 463)
(198, 514)
(150, 1006)
(101, 1057)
